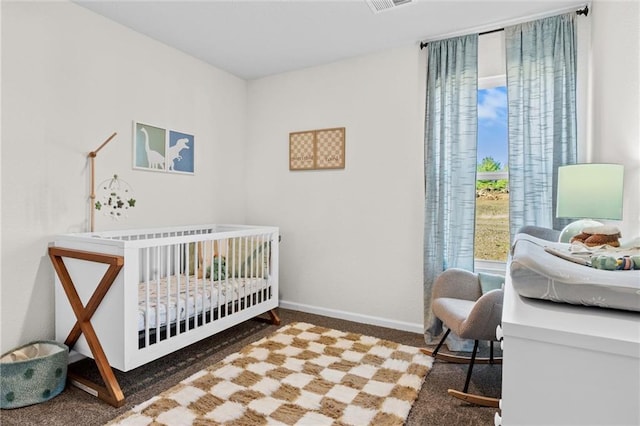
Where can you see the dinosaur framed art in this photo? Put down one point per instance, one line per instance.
(162, 150)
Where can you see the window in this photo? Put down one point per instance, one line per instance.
(492, 190)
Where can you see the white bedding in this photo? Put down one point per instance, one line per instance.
(187, 295)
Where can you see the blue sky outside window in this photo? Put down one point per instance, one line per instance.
(492, 124)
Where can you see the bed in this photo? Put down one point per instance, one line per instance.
(126, 298)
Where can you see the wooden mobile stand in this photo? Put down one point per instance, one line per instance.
(92, 197)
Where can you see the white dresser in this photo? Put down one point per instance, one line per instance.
(568, 365)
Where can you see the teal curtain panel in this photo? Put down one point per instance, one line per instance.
(451, 127)
(541, 89)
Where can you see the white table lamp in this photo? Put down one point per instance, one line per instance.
(587, 192)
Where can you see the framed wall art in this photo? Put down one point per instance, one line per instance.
(301, 151)
(180, 158)
(162, 150)
(317, 149)
(330, 148)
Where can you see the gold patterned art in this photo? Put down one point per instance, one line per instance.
(317, 149)
(302, 151)
(330, 148)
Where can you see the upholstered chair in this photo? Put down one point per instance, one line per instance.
(470, 306)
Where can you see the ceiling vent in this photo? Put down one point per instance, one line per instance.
(382, 5)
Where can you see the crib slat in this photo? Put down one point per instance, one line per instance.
(233, 296)
(218, 281)
(164, 273)
(157, 279)
(235, 291)
(170, 280)
(201, 274)
(188, 284)
(177, 271)
(147, 297)
(263, 262)
(222, 281)
(228, 283)
(248, 284)
(265, 285)
(209, 280)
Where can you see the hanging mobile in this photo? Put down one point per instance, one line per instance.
(116, 197)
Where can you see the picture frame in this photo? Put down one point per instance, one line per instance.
(330, 148)
(302, 150)
(180, 153)
(162, 150)
(320, 149)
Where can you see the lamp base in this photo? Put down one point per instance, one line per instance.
(574, 228)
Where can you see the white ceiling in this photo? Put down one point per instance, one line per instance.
(253, 39)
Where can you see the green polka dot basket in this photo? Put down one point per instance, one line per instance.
(33, 373)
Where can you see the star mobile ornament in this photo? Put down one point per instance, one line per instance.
(116, 198)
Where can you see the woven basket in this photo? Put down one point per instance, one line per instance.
(32, 373)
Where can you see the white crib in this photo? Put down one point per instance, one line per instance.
(143, 294)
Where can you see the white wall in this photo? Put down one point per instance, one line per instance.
(615, 84)
(352, 238)
(70, 78)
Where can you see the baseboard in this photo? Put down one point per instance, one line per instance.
(350, 316)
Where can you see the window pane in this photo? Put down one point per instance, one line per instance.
(492, 227)
(492, 124)
(492, 191)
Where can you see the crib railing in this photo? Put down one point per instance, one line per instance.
(184, 286)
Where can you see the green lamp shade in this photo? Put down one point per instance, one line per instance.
(592, 191)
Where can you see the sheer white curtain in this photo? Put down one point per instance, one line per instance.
(541, 86)
(450, 162)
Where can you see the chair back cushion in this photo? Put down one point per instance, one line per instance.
(490, 282)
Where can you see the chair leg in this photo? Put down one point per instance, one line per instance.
(473, 360)
(475, 399)
(434, 352)
(441, 342)
(457, 358)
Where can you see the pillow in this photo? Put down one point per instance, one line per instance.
(246, 257)
(205, 251)
(240, 257)
(490, 282)
(219, 269)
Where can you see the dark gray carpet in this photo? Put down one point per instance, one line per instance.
(433, 407)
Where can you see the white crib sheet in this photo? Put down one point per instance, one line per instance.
(190, 299)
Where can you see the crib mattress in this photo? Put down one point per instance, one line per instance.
(180, 297)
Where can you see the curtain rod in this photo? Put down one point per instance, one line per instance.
(584, 11)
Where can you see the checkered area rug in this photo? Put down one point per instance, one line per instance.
(301, 375)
